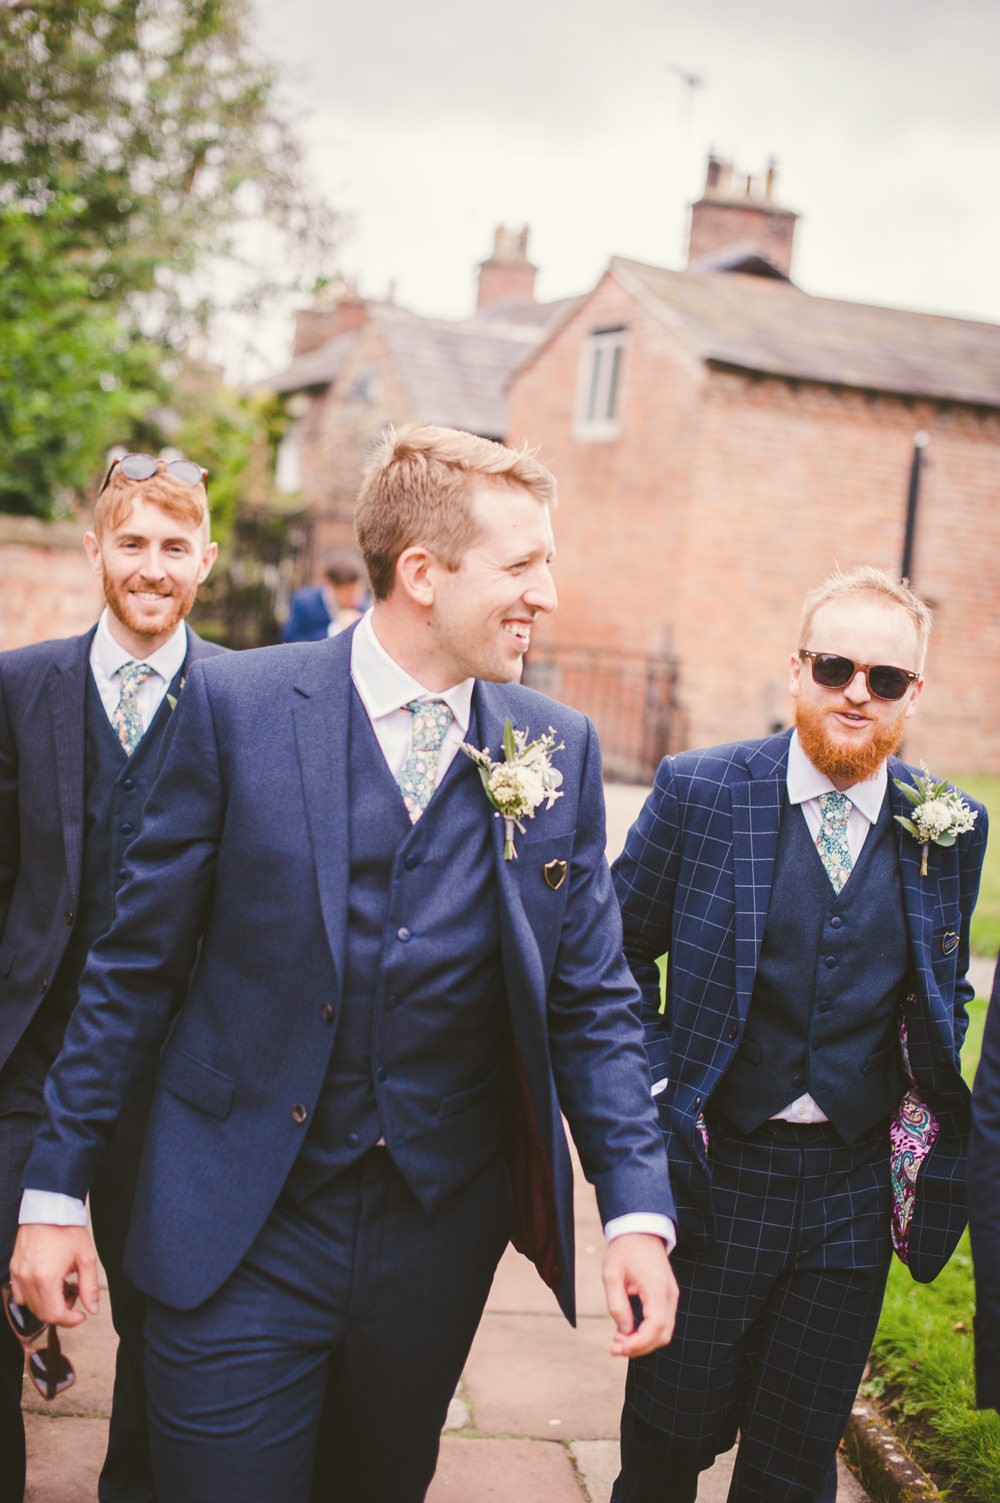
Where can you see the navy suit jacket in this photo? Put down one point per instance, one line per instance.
(694, 882)
(984, 1206)
(42, 740)
(308, 618)
(244, 852)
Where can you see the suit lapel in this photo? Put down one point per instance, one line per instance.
(757, 807)
(919, 892)
(321, 707)
(66, 692)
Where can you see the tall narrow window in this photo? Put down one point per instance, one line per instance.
(598, 405)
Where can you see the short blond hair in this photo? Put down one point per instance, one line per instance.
(188, 503)
(850, 584)
(415, 491)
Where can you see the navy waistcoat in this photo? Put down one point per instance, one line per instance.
(422, 1028)
(832, 972)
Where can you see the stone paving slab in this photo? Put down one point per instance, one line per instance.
(504, 1471)
(527, 1376)
(64, 1458)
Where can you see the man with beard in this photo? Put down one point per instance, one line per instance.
(81, 721)
(806, 1058)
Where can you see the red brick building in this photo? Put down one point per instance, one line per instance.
(722, 440)
(359, 364)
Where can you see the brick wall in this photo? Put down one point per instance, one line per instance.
(725, 498)
(47, 588)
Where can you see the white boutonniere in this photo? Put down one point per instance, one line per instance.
(523, 781)
(940, 813)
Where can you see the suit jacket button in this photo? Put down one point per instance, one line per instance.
(299, 1113)
(352, 1140)
(327, 1013)
(403, 934)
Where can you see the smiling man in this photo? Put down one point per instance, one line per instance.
(806, 1060)
(360, 1098)
(81, 722)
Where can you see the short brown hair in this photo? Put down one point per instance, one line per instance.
(415, 492)
(188, 503)
(876, 583)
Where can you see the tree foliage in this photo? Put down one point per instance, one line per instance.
(148, 175)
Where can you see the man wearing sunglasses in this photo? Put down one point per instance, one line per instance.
(81, 724)
(804, 945)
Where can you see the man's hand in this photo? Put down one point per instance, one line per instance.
(50, 1267)
(637, 1264)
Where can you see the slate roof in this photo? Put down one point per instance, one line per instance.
(758, 324)
(320, 367)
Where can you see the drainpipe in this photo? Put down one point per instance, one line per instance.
(920, 442)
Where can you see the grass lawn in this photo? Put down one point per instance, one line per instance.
(986, 922)
(922, 1360)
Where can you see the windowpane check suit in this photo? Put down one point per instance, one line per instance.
(322, 1060)
(784, 1230)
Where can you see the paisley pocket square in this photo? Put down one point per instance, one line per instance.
(554, 873)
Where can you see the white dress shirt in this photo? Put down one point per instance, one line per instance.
(107, 657)
(384, 689)
(805, 784)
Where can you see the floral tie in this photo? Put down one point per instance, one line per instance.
(126, 720)
(418, 775)
(831, 842)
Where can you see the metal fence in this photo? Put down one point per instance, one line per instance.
(632, 700)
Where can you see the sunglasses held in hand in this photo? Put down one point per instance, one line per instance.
(49, 1370)
(833, 672)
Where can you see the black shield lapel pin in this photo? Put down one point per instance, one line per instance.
(949, 943)
(554, 873)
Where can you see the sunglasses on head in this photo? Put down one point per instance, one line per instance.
(48, 1369)
(833, 672)
(145, 466)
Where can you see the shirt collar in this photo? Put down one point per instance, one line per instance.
(109, 656)
(384, 686)
(805, 781)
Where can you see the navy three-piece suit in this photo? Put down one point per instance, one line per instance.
(778, 985)
(379, 1013)
(70, 803)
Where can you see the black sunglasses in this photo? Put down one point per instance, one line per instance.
(834, 672)
(50, 1371)
(145, 466)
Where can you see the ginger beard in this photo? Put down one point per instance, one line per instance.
(845, 764)
(148, 619)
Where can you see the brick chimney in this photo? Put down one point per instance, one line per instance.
(737, 217)
(508, 273)
(338, 311)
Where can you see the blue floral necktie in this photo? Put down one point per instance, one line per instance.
(126, 720)
(418, 775)
(831, 842)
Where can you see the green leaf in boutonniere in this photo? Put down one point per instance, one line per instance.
(523, 781)
(939, 813)
(172, 698)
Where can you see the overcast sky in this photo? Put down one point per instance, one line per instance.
(430, 123)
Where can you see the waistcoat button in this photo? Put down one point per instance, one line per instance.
(299, 1113)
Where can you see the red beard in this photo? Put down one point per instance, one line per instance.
(844, 764)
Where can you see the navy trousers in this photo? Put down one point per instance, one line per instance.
(126, 1476)
(774, 1327)
(323, 1368)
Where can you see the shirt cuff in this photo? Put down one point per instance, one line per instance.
(643, 1221)
(48, 1208)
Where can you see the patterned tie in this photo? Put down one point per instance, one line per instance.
(417, 776)
(831, 842)
(126, 719)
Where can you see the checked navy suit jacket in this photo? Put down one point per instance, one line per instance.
(242, 865)
(694, 882)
